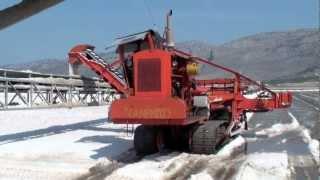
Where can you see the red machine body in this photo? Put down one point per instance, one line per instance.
(160, 90)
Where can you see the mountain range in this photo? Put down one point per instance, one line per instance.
(292, 55)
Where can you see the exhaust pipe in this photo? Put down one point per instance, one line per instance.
(168, 32)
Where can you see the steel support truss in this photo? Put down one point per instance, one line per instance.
(19, 90)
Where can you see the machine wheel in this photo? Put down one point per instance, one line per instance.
(148, 140)
(208, 137)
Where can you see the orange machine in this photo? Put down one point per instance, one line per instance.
(160, 91)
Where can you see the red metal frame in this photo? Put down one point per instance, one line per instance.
(239, 103)
(77, 56)
(159, 108)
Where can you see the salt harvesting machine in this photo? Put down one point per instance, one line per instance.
(160, 89)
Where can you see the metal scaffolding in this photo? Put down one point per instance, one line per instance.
(20, 89)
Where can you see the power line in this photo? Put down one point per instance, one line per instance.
(149, 12)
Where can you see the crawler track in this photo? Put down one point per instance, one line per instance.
(208, 137)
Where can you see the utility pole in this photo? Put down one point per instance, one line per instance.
(23, 10)
(318, 74)
(318, 77)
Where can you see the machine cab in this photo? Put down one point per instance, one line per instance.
(146, 65)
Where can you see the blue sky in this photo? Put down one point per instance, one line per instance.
(52, 33)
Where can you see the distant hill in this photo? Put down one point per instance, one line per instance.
(47, 66)
(50, 66)
(286, 56)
